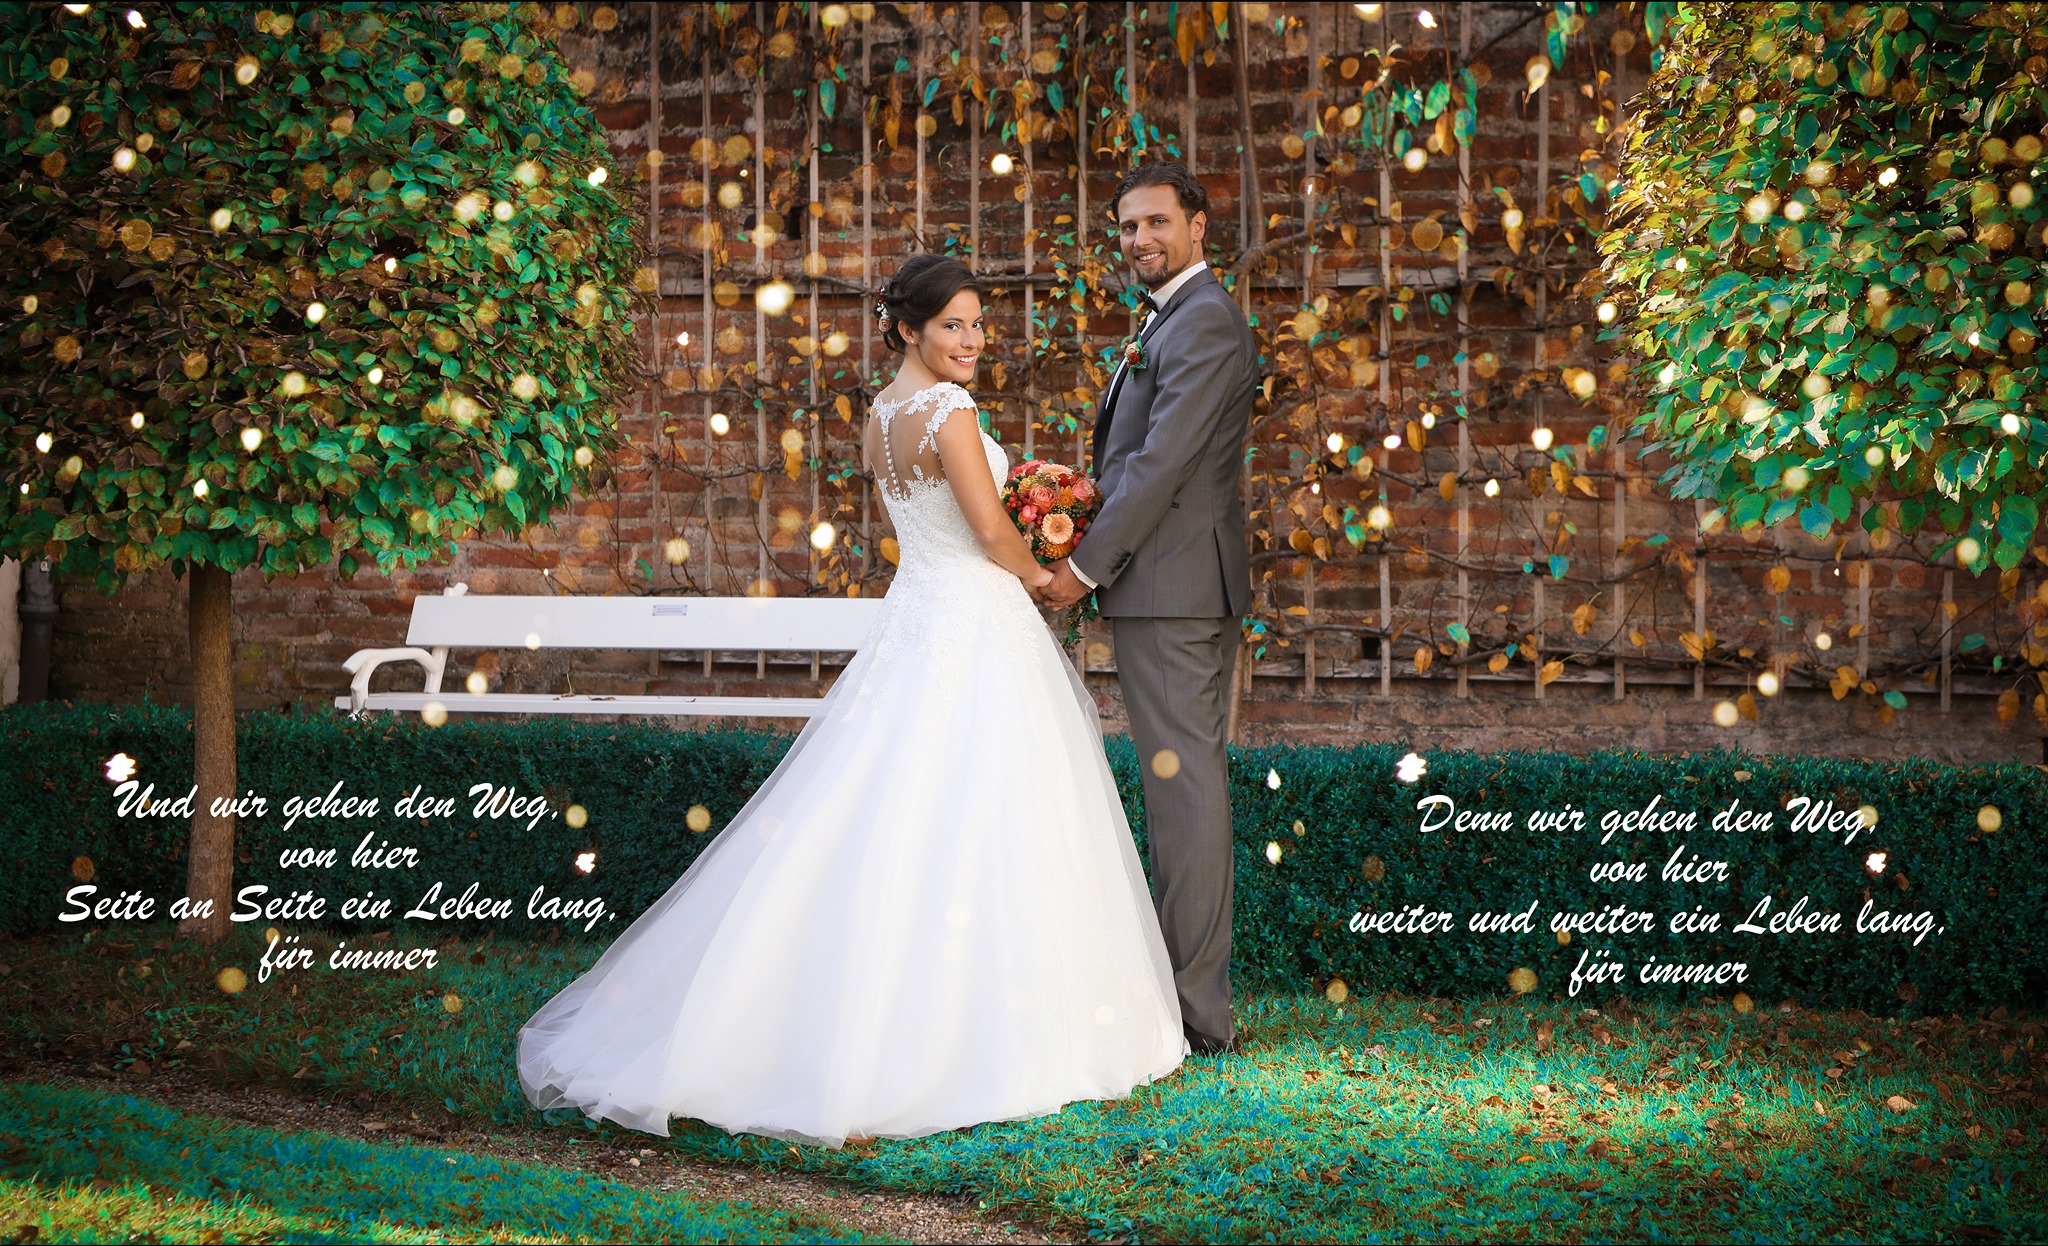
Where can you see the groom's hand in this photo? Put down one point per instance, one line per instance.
(1066, 587)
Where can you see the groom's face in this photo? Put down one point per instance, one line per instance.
(1159, 238)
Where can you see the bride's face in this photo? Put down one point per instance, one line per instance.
(950, 343)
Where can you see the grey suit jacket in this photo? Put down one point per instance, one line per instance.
(1169, 443)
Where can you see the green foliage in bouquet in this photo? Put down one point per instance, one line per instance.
(325, 282)
(1827, 250)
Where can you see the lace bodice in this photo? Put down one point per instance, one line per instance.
(930, 528)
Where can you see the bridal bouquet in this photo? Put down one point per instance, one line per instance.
(1052, 504)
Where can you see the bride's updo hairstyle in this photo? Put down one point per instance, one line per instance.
(919, 291)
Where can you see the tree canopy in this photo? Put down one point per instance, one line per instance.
(326, 282)
(1827, 253)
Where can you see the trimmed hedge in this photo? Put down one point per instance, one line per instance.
(1357, 848)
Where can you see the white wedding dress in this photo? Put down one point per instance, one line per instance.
(931, 915)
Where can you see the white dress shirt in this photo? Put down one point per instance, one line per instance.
(1158, 298)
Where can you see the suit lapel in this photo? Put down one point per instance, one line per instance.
(1107, 411)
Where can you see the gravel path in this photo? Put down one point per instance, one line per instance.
(904, 1216)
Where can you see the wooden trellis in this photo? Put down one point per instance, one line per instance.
(839, 123)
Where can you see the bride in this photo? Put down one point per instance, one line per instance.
(931, 914)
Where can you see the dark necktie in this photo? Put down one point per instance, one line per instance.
(1116, 386)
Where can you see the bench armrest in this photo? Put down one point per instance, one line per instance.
(364, 662)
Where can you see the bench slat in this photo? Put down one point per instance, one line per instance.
(487, 622)
(526, 703)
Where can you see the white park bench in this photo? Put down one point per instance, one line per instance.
(455, 620)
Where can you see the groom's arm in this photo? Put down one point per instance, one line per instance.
(1193, 397)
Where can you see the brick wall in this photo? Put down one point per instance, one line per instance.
(1621, 610)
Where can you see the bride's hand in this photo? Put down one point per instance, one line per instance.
(1036, 584)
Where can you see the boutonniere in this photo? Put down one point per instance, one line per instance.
(1134, 355)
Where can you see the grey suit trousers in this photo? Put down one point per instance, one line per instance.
(1175, 676)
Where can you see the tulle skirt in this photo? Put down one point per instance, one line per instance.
(931, 915)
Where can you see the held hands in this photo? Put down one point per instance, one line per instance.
(1036, 582)
(1064, 588)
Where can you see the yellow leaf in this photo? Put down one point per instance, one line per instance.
(1560, 475)
(1297, 610)
(1301, 540)
(843, 407)
(1584, 485)
(2041, 708)
(1551, 670)
(1497, 663)
(1746, 706)
(1418, 436)
(1695, 645)
(1778, 579)
(889, 549)
(1423, 657)
(1583, 616)
(1322, 548)
(1448, 486)
(1949, 608)
(1538, 479)
(2008, 705)
(1636, 638)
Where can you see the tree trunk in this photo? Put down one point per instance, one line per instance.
(210, 865)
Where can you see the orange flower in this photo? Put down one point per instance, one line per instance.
(1064, 497)
(1057, 528)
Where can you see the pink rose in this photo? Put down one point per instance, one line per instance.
(1041, 497)
(1084, 488)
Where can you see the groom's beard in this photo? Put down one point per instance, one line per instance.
(1166, 273)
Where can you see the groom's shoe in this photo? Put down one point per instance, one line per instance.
(1203, 1045)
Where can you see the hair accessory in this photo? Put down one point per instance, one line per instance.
(882, 310)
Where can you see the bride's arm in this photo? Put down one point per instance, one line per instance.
(960, 452)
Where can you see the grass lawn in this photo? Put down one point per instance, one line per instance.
(1378, 1119)
(80, 1165)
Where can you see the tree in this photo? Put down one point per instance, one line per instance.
(316, 283)
(1827, 252)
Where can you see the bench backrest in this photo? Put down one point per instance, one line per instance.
(487, 622)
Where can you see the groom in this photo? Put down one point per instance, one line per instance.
(1166, 558)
